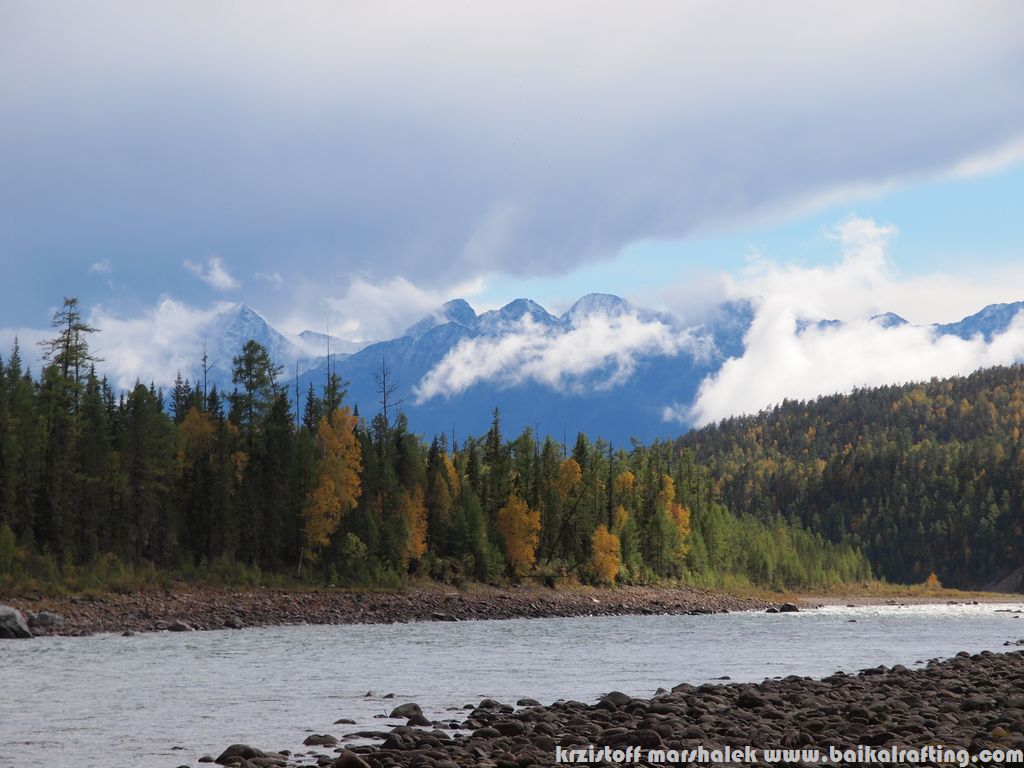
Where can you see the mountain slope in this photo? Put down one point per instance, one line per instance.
(603, 367)
(599, 400)
(924, 477)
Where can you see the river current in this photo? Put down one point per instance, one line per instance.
(165, 699)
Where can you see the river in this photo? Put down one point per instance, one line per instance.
(165, 699)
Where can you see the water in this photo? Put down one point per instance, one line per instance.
(111, 700)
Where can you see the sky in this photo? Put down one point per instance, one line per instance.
(351, 165)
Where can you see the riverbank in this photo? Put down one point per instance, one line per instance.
(973, 703)
(216, 608)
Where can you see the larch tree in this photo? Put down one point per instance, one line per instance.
(606, 555)
(519, 527)
(337, 486)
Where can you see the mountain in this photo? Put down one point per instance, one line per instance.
(316, 344)
(619, 398)
(226, 333)
(536, 366)
(992, 320)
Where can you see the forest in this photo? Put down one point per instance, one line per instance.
(102, 488)
(922, 478)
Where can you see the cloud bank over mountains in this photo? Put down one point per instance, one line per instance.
(805, 331)
(561, 356)
(445, 143)
(784, 356)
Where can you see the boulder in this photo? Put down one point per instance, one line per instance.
(45, 620)
(233, 622)
(320, 740)
(349, 759)
(406, 710)
(178, 626)
(12, 624)
(788, 608)
(243, 751)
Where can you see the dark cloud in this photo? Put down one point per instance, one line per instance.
(446, 140)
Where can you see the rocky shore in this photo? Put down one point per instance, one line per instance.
(968, 702)
(188, 609)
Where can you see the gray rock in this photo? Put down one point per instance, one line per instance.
(233, 622)
(12, 624)
(788, 608)
(179, 626)
(618, 698)
(406, 710)
(320, 740)
(349, 759)
(45, 620)
(243, 751)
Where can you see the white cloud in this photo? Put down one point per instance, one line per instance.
(101, 267)
(369, 310)
(214, 274)
(152, 346)
(608, 345)
(29, 348)
(274, 278)
(781, 361)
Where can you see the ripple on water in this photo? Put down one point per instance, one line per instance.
(132, 699)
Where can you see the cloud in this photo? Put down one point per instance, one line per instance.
(29, 348)
(101, 267)
(371, 310)
(274, 278)
(153, 345)
(214, 274)
(786, 358)
(456, 140)
(607, 346)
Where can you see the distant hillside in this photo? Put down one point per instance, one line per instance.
(924, 477)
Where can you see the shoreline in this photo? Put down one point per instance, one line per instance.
(211, 608)
(966, 704)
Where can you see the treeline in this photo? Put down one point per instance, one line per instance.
(239, 485)
(923, 478)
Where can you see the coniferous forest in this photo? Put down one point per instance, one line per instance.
(99, 486)
(922, 478)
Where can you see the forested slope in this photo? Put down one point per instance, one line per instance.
(95, 484)
(924, 477)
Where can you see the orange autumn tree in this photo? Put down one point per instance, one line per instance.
(605, 554)
(337, 486)
(519, 527)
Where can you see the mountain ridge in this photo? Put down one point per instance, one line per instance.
(623, 395)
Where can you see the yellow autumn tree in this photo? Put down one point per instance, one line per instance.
(619, 518)
(414, 518)
(196, 438)
(519, 527)
(337, 486)
(678, 514)
(622, 485)
(569, 477)
(681, 519)
(605, 554)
